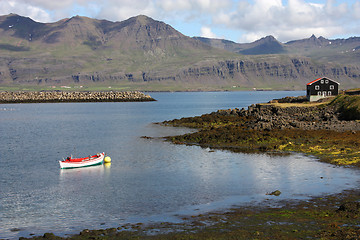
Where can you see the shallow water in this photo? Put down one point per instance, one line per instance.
(148, 180)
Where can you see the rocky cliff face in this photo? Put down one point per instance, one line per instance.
(296, 71)
(292, 73)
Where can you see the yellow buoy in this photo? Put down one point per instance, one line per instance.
(107, 159)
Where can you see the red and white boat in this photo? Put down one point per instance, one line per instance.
(82, 162)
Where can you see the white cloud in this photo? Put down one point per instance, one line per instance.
(296, 19)
(175, 5)
(24, 9)
(251, 36)
(252, 19)
(206, 32)
(121, 10)
(200, 6)
(356, 10)
(46, 4)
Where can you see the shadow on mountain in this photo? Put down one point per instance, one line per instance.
(14, 48)
(265, 48)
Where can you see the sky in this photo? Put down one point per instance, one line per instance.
(240, 21)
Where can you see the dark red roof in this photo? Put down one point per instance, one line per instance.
(320, 79)
(314, 81)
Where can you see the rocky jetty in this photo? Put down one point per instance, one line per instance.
(270, 116)
(62, 96)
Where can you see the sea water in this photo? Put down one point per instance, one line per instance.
(148, 180)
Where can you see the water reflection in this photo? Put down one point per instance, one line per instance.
(74, 174)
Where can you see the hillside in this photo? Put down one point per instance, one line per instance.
(341, 51)
(348, 106)
(266, 45)
(141, 53)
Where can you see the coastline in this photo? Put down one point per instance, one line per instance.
(280, 126)
(334, 216)
(68, 96)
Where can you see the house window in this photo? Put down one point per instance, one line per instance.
(329, 93)
(331, 87)
(322, 81)
(326, 81)
(319, 93)
(317, 87)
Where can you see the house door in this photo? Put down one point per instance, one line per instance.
(324, 94)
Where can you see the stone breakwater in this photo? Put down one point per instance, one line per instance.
(61, 96)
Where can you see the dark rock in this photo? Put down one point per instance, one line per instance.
(267, 117)
(275, 193)
(350, 207)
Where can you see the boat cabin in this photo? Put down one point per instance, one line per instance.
(321, 88)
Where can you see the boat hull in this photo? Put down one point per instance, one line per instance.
(85, 162)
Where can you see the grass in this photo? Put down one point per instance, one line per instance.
(329, 146)
(304, 104)
(348, 105)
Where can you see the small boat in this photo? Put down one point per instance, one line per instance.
(70, 162)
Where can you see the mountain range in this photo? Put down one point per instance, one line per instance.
(144, 54)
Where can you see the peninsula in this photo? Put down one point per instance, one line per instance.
(328, 129)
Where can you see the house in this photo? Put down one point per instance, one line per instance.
(321, 88)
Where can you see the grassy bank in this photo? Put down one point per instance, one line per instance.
(348, 105)
(329, 146)
(232, 132)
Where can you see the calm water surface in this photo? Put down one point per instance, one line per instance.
(148, 180)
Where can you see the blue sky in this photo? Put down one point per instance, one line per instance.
(236, 20)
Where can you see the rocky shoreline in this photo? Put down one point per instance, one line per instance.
(65, 96)
(326, 217)
(270, 116)
(329, 130)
